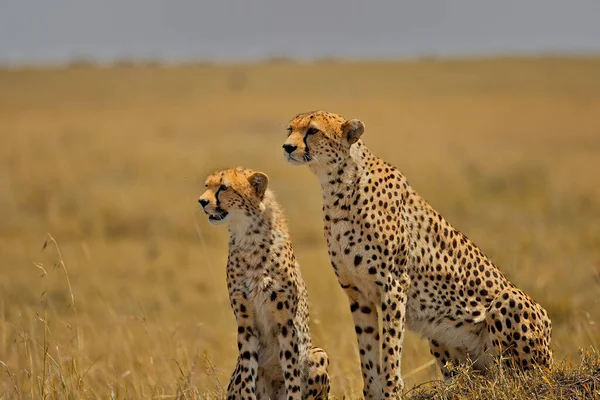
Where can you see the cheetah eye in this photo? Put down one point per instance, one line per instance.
(222, 187)
(312, 131)
(289, 130)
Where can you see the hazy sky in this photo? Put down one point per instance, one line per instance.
(59, 30)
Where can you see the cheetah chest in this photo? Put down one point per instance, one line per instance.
(350, 263)
(264, 319)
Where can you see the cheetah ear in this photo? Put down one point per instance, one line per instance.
(259, 183)
(352, 129)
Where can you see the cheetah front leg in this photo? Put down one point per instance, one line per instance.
(288, 358)
(233, 388)
(243, 380)
(366, 324)
(393, 308)
(284, 305)
(317, 378)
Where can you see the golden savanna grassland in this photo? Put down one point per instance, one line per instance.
(112, 283)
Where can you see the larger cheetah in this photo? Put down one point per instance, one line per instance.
(394, 254)
(267, 293)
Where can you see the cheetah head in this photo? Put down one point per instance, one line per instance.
(233, 194)
(320, 138)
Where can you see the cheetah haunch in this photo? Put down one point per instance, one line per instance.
(394, 254)
(266, 291)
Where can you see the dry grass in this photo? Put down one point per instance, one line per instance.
(565, 381)
(110, 162)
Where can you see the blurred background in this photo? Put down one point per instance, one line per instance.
(112, 283)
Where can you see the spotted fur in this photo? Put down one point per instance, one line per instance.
(266, 291)
(396, 256)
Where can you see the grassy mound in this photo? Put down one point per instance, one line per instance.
(564, 381)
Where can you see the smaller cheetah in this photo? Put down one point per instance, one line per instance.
(266, 291)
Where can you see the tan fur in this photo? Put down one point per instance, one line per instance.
(267, 293)
(396, 255)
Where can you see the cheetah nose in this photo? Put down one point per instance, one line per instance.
(203, 202)
(289, 148)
